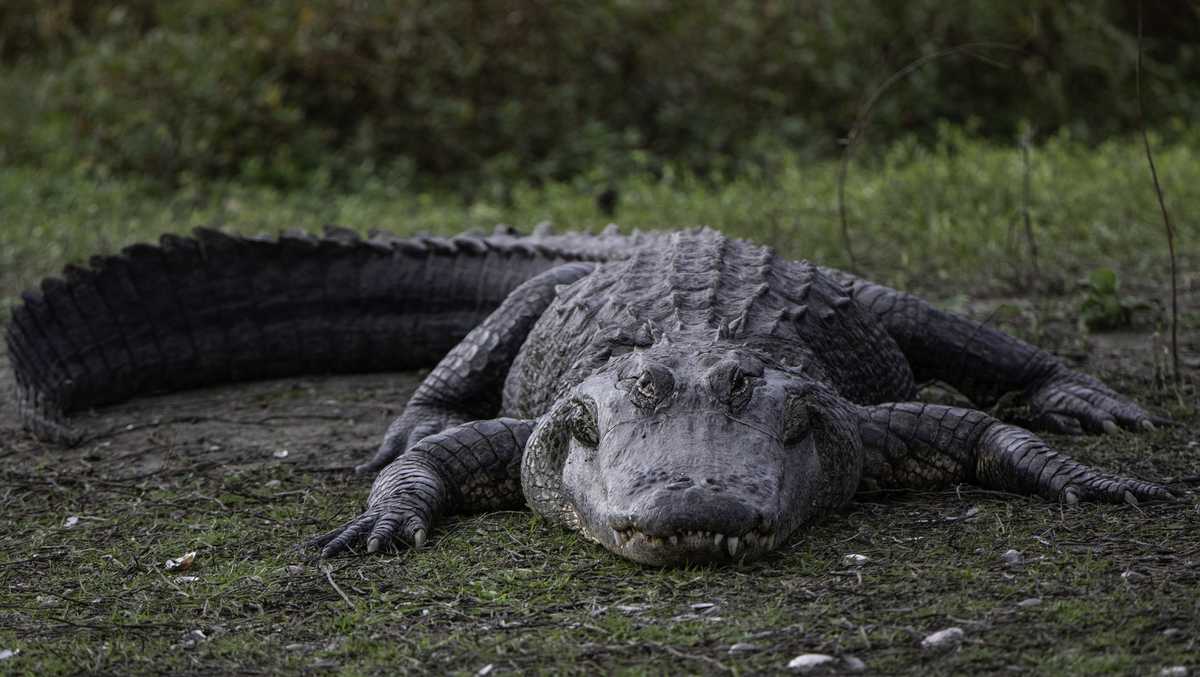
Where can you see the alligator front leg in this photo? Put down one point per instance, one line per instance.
(914, 445)
(471, 467)
(466, 384)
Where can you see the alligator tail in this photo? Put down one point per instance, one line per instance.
(214, 308)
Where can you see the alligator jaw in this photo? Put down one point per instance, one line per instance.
(691, 546)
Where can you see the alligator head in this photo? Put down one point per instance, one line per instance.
(680, 454)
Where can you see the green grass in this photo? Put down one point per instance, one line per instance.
(916, 214)
(1119, 586)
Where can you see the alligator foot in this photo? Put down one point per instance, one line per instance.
(1072, 403)
(912, 444)
(1015, 459)
(405, 500)
(473, 466)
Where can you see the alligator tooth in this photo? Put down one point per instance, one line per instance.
(732, 546)
(719, 540)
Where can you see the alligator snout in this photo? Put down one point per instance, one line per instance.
(693, 517)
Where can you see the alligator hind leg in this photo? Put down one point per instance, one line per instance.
(984, 363)
(471, 467)
(913, 445)
(466, 385)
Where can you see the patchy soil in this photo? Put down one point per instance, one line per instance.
(322, 423)
(85, 534)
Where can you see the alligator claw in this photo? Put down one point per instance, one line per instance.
(1071, 402)
(379, 529)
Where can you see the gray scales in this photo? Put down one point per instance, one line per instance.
(675, 397)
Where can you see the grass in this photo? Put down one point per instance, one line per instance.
(1118, 587)
(917, 213)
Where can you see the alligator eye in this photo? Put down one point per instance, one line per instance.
(583, 425)
(739, 385)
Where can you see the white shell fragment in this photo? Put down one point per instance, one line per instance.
(6, 654)
(949, 638)
(180, 563)
(743, 648)
(1012, 557)
(855, 560)
(71, 522)
(282, 453)
(809, 661)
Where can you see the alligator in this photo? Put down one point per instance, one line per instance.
(675, 397)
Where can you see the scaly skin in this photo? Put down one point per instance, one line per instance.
(676, 397)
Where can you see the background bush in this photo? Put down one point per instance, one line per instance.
(461, 89)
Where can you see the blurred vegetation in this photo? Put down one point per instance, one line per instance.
(511, 90)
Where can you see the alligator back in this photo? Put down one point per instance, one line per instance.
(697, 288)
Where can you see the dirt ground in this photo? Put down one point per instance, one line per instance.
(241, 472)
(319, 423)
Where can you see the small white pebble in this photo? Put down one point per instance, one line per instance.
(1032, 601)
(853, 664)
(1012, 557)
(485, 670)
(855, 560)
(943, 639)
(1174, 671)
(6, 654)
(282, 453)
(807, 662)
(1172, 632)
(743, 647)
(71, 522)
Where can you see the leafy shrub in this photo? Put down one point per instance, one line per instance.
(1102, 307)
(545, 90)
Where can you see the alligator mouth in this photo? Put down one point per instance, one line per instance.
(696, 544)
